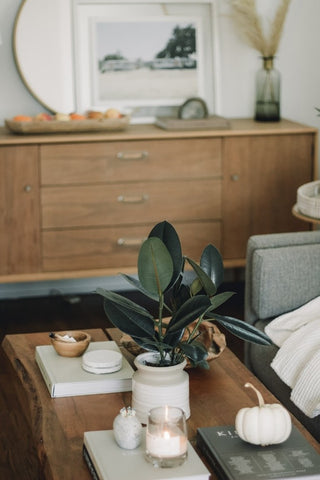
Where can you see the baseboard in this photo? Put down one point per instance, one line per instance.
(82, 285)
(62, 287)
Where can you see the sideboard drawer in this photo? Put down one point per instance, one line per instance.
(130, 161)
(109, 247)
(128, 204)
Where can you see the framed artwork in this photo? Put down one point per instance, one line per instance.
(144, 58)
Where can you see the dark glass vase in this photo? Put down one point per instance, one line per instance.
(267, 107)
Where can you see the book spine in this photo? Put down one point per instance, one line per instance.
(203, 447)
(89, 463)
(44, 373)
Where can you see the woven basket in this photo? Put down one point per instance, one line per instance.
(308, 199)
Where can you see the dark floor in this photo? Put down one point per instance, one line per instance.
(52, 314)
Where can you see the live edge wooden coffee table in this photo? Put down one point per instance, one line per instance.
(57, 425)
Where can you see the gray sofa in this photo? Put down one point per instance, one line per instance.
(282, 274)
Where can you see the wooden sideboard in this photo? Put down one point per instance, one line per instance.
(79, 205)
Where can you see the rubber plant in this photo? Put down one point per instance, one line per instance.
(161, 277)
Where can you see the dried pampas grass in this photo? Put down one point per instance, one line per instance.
(250, 25)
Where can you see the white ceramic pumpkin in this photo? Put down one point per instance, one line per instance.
(266, 424)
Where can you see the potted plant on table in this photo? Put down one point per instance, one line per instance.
(170, 342)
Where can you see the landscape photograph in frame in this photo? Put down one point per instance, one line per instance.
(162, 66)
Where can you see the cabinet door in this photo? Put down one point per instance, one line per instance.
(19, 210)
(261, 175)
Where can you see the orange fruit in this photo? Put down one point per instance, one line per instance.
(22, 118)
(77, 116)
(95, 115)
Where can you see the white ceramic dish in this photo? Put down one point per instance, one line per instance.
(102, 361)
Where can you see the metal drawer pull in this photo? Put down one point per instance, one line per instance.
(130, 242)
(27, 188)
(235, 177)
(133, 199)
(132, 155)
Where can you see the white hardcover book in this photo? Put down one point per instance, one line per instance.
(64, 376)
(107, 461)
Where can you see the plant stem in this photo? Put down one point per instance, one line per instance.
(161, 304)
(195, 329)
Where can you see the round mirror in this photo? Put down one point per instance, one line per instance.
(42, 44)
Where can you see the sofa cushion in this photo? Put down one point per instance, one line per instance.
(259, 358)
(280, 283)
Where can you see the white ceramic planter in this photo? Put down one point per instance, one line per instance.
(154, 386)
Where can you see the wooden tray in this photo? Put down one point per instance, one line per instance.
(74, 126)
(214, 122)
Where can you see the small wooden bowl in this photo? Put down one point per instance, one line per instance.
(71, 349)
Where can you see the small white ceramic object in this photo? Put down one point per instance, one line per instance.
(102, 361)
(127, 429)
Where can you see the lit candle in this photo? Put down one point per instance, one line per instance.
(166, 437)
(167, 444)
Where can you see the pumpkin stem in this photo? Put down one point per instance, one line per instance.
(260, 398)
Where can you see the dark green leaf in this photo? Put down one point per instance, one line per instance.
(195, 287)
(187, 313)
(173, 338)
(211, 262)
(166, 232)
(149, 344)
(205, 281)
(219, 299)
(145, 343)
(126, 315)
(240, 328)
(135, 283)
(155, 266)
(195, 351)
(177, 296)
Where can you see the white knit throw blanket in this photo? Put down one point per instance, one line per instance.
(297, 361)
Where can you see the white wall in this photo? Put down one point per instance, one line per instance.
(297, 60)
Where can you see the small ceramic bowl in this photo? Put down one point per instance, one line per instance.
(70, 349)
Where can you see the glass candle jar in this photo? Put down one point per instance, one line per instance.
(166, 437)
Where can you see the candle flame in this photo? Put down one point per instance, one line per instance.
(166, 413)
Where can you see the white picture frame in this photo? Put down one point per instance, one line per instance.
(131, 23)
